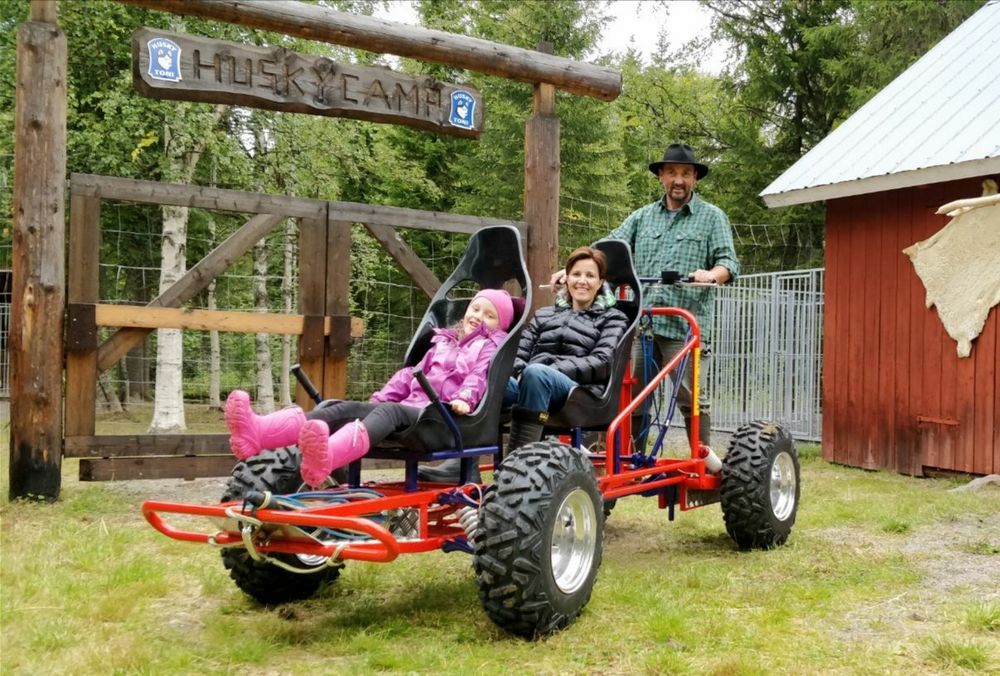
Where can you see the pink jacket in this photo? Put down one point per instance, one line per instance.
(456, 368)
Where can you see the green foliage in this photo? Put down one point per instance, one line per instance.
(488, 177)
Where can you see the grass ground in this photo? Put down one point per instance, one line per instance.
(882, 574)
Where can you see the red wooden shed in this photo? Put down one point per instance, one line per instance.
(895, 393)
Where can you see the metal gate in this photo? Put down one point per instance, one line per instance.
(767, 352)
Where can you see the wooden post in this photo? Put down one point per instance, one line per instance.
(541, 188)
(39, 263)
(338, 290)
(81, 329)
(312, 303)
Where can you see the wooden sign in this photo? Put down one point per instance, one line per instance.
(169, 65)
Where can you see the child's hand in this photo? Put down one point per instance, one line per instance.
(460, 407)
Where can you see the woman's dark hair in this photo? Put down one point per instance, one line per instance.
(588, 253)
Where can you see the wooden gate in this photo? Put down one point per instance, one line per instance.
(323, 326)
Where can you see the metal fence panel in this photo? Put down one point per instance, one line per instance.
(767, 352)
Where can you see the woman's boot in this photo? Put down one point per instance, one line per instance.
(322, 453)
(447, 472)
(526, 427)
(250, 433)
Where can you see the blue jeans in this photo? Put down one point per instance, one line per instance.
(541, 388)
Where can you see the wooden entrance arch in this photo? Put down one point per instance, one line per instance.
(39, 293)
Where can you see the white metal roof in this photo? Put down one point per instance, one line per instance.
(938, 121)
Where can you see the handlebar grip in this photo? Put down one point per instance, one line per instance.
(306, 384)
(426, 386)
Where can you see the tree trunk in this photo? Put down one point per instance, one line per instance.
(265, 378)
(134, 367)
(168, 403)
(288, 299)
(214, 351)
(107, 397)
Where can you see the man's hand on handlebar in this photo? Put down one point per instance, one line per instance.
(703, 277)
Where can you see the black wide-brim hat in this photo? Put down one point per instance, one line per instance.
(680, 153)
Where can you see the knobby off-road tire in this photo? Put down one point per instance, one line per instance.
(539, 541)
(760, 486)
(276, 471)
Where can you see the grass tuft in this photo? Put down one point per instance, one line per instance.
(896, 526)
(983, 547)
(958, 654)
(984, 616)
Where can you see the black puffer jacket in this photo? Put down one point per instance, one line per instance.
(577, 344)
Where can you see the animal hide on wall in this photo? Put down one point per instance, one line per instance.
(960, 267)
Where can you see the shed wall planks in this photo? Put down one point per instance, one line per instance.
(895, 393)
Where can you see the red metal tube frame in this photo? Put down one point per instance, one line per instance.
(348, 516)
(622, 420)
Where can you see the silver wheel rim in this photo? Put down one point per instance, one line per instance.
(312, 559)
(574, 539)
(783, 485)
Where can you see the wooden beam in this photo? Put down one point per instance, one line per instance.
(81, 366)
(179, 467)
(193, 282)
(45, 11)
(314, 22)
(196, 68)
(111, 445)
(213, 320)
(312, 302)
(39, 258)
(152, 192)
(398, 217)
(541, 192)
(337, 303)
(404, 256)
(176, 194)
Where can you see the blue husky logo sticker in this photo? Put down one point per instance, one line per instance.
(164, 60)
(463, 109)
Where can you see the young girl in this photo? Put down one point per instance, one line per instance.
(455, 365)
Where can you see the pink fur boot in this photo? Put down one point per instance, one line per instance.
(323, 453)
(251, 433)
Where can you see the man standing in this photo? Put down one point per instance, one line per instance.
(686, 234)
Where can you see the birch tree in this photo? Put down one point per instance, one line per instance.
(265, 377)
(183, 149)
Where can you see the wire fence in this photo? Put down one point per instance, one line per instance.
(767, 352)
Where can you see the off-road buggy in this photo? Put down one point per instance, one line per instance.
(536, 531)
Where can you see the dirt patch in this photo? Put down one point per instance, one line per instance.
(955, 554)
(957, 559)
(963, 553)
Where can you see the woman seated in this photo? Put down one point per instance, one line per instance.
(564, 346)
(456, 365)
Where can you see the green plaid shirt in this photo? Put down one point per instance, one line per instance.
(699, 237)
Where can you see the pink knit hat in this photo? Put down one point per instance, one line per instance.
(502, 302)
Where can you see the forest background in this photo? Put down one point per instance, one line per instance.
(794, 71)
